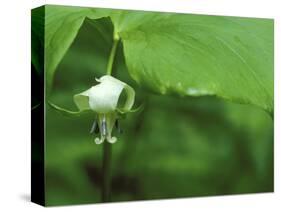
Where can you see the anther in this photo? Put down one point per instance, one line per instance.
(117, 125)
(94, 127)
(103, 127)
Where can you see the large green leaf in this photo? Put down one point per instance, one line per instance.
(187, 55)
(37, 39)
(62, 24)
(200, 55)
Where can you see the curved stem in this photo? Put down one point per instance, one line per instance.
(111, 57)
(107, 148)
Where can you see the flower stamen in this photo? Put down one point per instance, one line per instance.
(103, 126)
(117, 126)
(94, 128)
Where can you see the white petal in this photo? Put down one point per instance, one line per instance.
(103, 98)
(82, 100)
(111, 140)
(99, 140)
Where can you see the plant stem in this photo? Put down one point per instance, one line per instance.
(111, 57)
(107, 148)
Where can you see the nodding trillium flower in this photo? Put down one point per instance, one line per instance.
(104, 100)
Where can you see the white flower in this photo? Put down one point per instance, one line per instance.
(103, 99)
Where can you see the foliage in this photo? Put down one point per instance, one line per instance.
(186, 141)
(178, 53)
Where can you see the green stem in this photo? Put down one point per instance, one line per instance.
(107, 148)
(111, 57)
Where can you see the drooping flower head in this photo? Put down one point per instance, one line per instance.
(103, 99)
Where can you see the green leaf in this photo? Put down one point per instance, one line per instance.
(135, 110)
(62, 24)
(37, 39)
(69, 113)
(182, 54)
(198, 55)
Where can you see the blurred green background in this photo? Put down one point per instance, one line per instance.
(176, 147)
